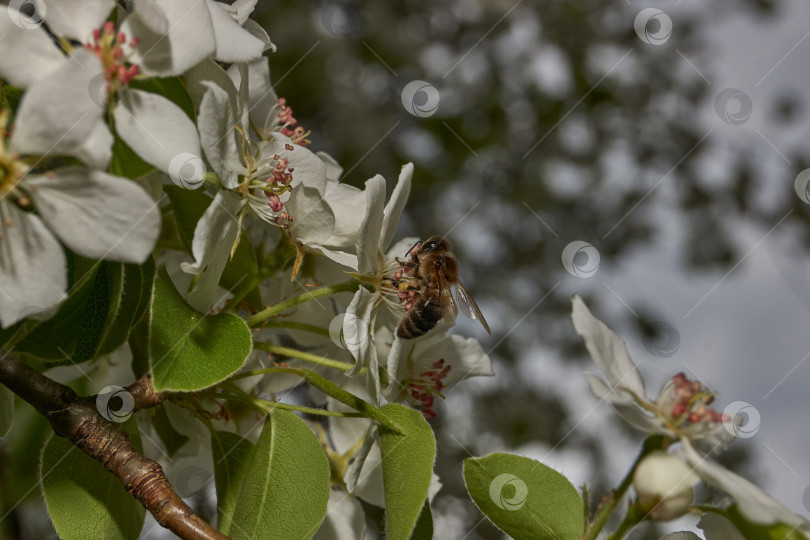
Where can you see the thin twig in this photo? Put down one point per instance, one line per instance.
(77, 419)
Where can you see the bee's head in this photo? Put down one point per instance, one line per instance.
(434, 243)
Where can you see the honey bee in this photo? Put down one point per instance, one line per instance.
(434, 269)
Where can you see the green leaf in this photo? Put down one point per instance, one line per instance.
(188, 206)
(172, 439)
(125, 162)
(85, 501)
(107, 299)
(6, 410)
(286, 488)
(407, 466)
(232, 455)
(524, 498)
(188, 350)
(85, 324)
(424, 525)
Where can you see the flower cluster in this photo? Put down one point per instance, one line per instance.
(155, 132)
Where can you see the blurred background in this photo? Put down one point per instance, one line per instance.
(646, 156)
(666, 138)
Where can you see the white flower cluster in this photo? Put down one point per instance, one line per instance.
(88, 77)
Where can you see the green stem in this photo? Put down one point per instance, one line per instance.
(267, 405)
(294, 325)
(630, 520)
(347, 398)
(271, 311)
(653, 442)
(293, 353)
(240, 295)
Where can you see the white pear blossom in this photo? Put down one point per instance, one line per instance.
(681, 409)
(95, 214)
(275, 181)
(348, 205)
(428, 367)
(159, 38)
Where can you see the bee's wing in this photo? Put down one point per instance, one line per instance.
(446, 301)
(469, 307)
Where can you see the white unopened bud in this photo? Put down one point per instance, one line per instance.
(663, 484)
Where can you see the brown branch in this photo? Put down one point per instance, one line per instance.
(144, 394)
(77, 419)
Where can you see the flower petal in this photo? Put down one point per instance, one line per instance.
(76, 19)
(262, 99)
(233, 43)
(96, 150)
(314, 219)
(608, 350)
(156, 129)
(174, 46)
(57, 114)
(345, 518)
(217, 136)
(214, 237)
(26, 54)
(33, 274)
(368, 239)
(393, 210)
(625, 406)
(756, 505)
(97, 215)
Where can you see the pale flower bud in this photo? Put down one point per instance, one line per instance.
(663, 484)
